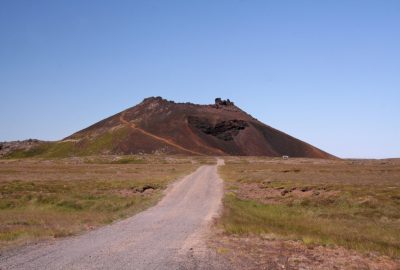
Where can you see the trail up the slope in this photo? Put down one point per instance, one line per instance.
(169, 142)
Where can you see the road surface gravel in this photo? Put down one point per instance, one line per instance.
(169, 235)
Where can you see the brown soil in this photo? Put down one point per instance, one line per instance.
(254, 252)
(265, 194)
(144, 132)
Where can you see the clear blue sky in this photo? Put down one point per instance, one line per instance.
(326, 72)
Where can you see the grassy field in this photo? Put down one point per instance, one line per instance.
(350, 203)
(42, 198)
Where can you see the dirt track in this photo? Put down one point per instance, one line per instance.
(166, 236)
(169, 142)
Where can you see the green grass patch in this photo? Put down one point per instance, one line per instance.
(310, 225)
(361, 215)
(101, 144)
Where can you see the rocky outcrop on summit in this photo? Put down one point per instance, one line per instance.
(220, 102)
(160, 126)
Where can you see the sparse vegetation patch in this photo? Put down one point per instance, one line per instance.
(55, 198)
(353, 204)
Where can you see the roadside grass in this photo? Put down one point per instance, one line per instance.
(354, 204)
(44, 198)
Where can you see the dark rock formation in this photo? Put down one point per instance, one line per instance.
(224, 130)
(220, 102)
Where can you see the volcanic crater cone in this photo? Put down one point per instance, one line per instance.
(160, 126)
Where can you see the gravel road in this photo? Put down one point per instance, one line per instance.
(169, 235)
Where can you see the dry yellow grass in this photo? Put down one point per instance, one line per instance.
(351, 203)
(42, 199)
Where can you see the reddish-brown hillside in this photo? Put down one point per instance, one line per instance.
(158, 125)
